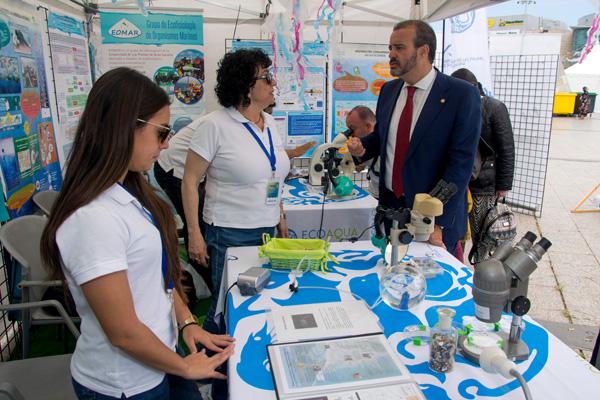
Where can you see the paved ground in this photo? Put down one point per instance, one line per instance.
(565, 289)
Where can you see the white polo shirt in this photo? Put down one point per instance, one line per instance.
(173, 158)
(237, 177)
(113, 233)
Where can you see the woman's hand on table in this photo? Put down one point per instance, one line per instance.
(201, 366)
(194, 334)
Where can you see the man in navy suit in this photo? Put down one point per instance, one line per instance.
(427, 129)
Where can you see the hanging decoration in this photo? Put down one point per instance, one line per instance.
(285, 24)
(593, 37)
(327, 10)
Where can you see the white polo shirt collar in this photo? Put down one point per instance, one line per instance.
(122, 196)
(236, 115)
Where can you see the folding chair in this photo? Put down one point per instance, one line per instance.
(21, 238)
(45, 200)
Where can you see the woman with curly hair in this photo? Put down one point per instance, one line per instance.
(245, 163)
(115, 242)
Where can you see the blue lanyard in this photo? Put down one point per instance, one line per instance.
(271, 157)
(171, 284)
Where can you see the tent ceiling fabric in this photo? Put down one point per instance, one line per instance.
(429, 10)
(353, 10)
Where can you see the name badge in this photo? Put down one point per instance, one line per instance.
(272, 197)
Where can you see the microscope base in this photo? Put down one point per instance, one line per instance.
(318, 190)
(518, 351)
(514, 351)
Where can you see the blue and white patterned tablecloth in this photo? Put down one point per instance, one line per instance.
(343, 218)
(553, 370)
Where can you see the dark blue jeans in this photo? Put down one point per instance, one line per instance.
(218, 240)
(172, 387)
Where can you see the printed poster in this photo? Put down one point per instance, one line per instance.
(358, 73)
(28, 159)
(300, 109)
(73, 80)
(169, 48)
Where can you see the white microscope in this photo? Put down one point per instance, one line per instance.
(330, 162)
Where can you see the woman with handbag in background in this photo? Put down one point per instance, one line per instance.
(494, 165)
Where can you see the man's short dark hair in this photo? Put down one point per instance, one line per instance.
(364, 113)
(424, 34)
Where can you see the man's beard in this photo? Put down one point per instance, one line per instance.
(403, 69)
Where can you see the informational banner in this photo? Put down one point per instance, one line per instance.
(72, 76)
(358, 73)
(28, 158)
(300, 109)
(169, 48)
(466, 46)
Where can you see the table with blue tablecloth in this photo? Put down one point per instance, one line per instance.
(553, 370)
(343, 217)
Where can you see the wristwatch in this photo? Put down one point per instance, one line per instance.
(191, 320)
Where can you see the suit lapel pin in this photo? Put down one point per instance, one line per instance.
(442, 100)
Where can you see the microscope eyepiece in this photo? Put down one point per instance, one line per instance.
(544, 243)
(530, 236)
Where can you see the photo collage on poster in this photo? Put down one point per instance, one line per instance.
(28, 156)
(168, 48)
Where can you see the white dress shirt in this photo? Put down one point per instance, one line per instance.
(423, 89)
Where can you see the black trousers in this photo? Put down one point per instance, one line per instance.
(172, 187)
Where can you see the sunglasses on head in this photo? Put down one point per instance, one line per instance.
(164, 134)
(268, 77)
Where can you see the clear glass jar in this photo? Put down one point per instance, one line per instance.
(443, 342)
(402, 286)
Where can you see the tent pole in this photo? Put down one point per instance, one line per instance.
(443, 42)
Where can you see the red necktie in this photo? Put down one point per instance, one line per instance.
(402, 139)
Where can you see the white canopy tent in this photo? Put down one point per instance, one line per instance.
(428, 10)
(352, 10)
(585, 74)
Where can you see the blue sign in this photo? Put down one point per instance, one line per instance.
(156, 29)
(305, 123)
(65, 24)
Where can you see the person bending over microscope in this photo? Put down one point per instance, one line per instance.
(361, 122)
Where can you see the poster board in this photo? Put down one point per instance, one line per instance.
(358, 71)
(29, 160)
(69, 50)
(167, 46)
(300, 106)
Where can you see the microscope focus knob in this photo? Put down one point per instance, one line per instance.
(427, 220)
(520, 306)
(318, 167)
(405, 237)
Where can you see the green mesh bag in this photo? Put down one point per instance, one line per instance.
(304, 254)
